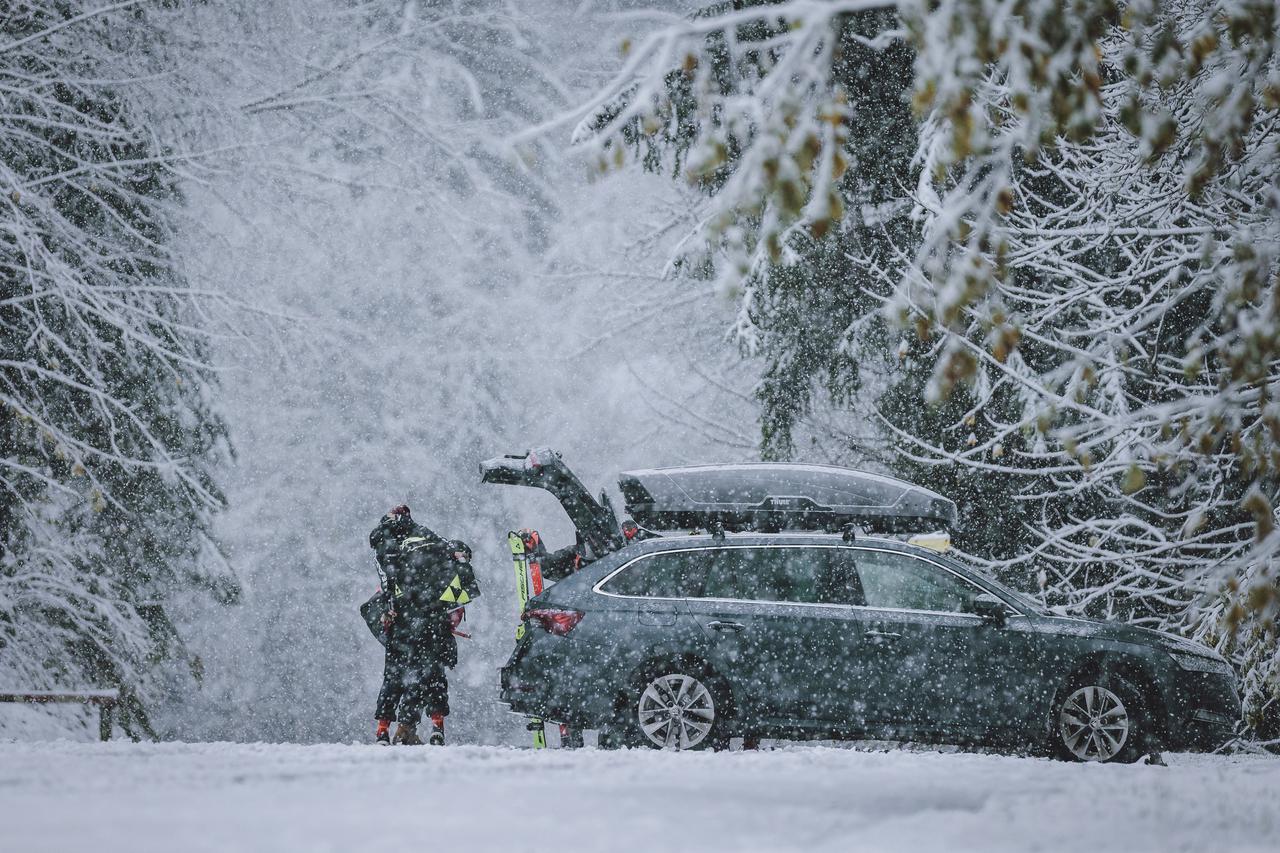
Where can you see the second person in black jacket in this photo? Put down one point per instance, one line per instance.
(426, 581)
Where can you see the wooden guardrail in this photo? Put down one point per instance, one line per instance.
(106, 700)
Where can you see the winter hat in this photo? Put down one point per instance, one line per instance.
(395, 523)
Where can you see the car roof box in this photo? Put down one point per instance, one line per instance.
(771, 497)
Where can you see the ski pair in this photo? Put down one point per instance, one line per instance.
(526, 558)
(527, 553)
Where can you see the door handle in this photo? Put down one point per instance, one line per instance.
(881, 638)
(717, 625)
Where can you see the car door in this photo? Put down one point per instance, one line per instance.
(778, 624)
(935, 666)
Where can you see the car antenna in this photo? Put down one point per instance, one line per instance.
(849, 533)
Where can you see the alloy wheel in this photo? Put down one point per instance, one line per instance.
(676, 711)
(1094, 724)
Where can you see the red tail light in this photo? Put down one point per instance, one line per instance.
(558, 622)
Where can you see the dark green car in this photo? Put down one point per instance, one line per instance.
(686, 641)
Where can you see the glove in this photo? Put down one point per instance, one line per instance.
(459, 551)
(455, 619)
(532, 541)
(387, 619)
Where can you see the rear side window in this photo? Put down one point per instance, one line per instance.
(793, 574)
(903, 582)
(677, 574)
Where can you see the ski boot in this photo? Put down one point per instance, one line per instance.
(407, 736)
(382, 737)
(570, 738)
(437, 731)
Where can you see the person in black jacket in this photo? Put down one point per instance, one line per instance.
(426, 580)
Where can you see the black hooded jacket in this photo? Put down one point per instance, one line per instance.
(421, 583)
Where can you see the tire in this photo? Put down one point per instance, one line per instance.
(674, 707)
(1100, 717)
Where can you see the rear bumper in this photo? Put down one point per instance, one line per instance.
(546, 677)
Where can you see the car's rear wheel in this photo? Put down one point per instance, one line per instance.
(1099, 719)
(678, 710)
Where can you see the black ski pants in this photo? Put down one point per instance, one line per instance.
(413, 682)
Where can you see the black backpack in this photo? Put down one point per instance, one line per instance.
(371, 611)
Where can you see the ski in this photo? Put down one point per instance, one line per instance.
(522, 576)
(520, 562)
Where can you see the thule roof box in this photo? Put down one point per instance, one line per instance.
(770, 497)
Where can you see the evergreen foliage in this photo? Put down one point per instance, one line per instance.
(108, 438)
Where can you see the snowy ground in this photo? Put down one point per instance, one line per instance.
(198, 797)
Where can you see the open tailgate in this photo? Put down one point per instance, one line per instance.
(544, 469)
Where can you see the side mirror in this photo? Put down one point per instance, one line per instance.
(990, 609)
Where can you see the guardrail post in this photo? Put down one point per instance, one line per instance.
(104, 720)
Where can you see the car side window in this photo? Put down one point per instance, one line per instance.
(838, 581)
(904, 582)
(792, 574)
(677, 574)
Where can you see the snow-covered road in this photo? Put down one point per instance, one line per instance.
(181, 798)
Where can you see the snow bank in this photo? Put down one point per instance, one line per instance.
(206, 797)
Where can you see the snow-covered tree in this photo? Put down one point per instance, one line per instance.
(1103, 240)
(805, 299)
(1095, 279)
(452, 296)
(108, 436)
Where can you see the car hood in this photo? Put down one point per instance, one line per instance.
(1119, 631)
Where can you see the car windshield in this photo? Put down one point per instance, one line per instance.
(974, 568)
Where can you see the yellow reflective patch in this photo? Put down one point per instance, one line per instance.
(454, 593)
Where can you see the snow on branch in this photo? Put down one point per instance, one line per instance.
(107, 435)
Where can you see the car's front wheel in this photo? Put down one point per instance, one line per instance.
(678, 710)
(1099, 719)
